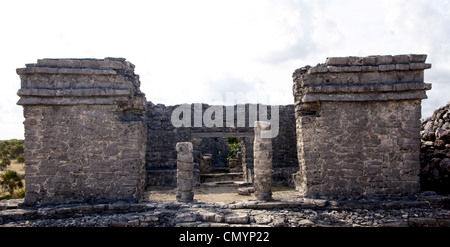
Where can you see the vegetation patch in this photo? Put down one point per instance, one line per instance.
(11, 182)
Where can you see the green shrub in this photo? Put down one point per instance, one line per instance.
(17, 150)
(10, 181)
(21, 193)
(13, 148)
(21, 159)
(6, 161)
(235, 145)
(5, 197)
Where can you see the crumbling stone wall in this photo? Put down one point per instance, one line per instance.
(358, 124)
(85, 131)
(435, 152)
(163, 136)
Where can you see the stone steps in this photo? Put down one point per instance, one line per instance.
(225, 183)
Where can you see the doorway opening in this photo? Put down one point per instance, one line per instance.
(220, 160)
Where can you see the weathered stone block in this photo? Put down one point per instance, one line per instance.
(185, 157)
(402, 66)
(417, 58)
(336, 61)
(184, 147)
(319, 69)
(185, 166)
(355, 61)
(386, 67)
(385, 60)
(401, 59)
(185, 175)
(370, 60)
(419, 66)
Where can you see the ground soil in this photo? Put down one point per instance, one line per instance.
(206, 194)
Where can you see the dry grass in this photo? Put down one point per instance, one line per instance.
(17, 167)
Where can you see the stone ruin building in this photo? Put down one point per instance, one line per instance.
(92, 136)
(358, 125)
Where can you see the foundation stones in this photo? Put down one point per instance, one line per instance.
(262, 151)
(185, 172)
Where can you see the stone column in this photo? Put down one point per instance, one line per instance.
(262, 153)
(185, 171)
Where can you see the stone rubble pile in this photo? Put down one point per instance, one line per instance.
(435, 151)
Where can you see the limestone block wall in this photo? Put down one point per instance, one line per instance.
(162, 137)
(358, 125)
(85, 131)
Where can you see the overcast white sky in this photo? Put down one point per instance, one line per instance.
(196, 51)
